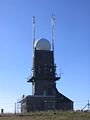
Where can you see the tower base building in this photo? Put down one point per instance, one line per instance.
(44, 103)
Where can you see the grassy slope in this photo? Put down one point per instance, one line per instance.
(56, 115)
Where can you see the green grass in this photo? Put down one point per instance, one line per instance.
(50, 115)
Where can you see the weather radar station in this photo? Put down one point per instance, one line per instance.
(45, 95)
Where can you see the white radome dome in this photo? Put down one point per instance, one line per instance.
(42, 44)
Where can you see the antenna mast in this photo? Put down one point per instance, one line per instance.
(53, 32)
(33, 31)
(33, 41)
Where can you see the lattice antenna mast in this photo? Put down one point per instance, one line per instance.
(87, 105)
(33, 31)
(53, 32)
(33, 41)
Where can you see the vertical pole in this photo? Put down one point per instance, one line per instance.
(53, 32)
(52, 21)
(33, 41)
(33, 30)
(15, 108)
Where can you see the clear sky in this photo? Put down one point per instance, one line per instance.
(72, 47)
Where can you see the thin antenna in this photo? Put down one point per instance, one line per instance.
(53, 32)
(33, 31)
(33, 41)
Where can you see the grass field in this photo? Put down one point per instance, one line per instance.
(50, 115)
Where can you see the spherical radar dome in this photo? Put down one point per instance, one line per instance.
(42, 44)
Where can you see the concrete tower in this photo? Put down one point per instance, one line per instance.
(44, 70)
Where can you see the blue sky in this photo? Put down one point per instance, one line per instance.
(72, 46)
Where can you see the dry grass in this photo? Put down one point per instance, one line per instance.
(50, 115)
